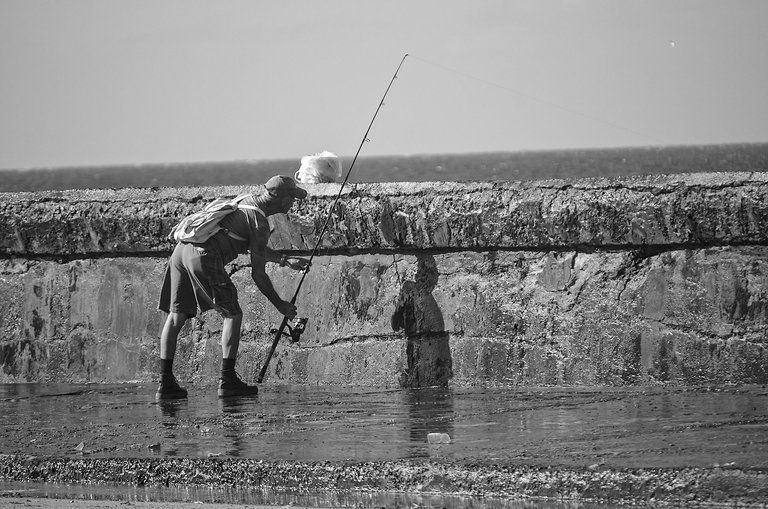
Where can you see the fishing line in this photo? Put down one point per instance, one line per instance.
(539, 100)
(300, 325)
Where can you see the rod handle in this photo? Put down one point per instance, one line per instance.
(278, 335)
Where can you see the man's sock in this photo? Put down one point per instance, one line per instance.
(166, 367)
(228, 368)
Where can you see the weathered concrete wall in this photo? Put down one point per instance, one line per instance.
(600, 281)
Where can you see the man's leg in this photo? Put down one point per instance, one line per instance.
(169, 388)
(230, 336)
(230, 384)
(170, 334)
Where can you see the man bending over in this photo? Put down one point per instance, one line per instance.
(196, 279)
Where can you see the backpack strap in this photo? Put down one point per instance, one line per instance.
(236, 202)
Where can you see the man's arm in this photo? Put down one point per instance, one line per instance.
(264, 284)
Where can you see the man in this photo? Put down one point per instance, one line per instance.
(196, 279)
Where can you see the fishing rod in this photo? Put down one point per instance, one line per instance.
(298, 328)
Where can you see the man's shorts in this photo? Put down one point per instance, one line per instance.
(195, 279)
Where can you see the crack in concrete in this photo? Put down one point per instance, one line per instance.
(363, 338)
(706, 335)
(671, 187)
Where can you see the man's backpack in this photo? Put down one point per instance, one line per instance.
(202, 225)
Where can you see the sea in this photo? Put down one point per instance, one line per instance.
(486, 166)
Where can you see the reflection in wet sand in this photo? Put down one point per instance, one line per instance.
(581, 430)
(621, 427)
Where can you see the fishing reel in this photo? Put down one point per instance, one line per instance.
(295, 330)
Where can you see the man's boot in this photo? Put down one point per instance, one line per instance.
(169, 388)
(230, 385)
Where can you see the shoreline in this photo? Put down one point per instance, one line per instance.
(297, 481)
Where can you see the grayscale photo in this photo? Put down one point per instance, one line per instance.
(502, 254)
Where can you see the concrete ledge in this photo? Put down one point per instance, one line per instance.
(706, 208)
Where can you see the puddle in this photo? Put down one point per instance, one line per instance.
(267, 497)
(567, 426)
(582, 429)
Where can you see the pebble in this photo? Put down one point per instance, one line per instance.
(438, 438)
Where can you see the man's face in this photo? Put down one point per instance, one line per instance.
(286, 203)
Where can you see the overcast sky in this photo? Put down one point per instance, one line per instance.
(98, 82)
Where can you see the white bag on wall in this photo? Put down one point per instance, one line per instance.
(319, 168)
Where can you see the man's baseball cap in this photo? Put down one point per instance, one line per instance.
(281, 186)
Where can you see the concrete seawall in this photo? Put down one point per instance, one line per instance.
(596, 281)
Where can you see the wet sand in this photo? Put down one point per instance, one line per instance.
(551, 445)
(47, 503)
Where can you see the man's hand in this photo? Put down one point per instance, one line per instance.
(295, 262)
(287, 309)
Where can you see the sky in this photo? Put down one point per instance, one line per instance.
(108, 82)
